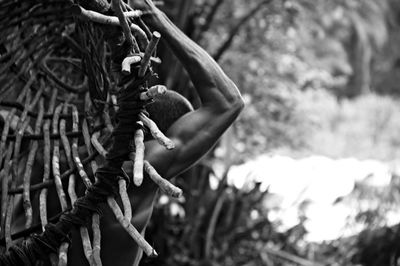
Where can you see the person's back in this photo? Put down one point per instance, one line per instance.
(118, 248)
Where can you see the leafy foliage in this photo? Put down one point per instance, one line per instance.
(305, 69)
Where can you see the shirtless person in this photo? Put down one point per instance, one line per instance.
(194, 132)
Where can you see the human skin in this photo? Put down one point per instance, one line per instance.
(193, 134)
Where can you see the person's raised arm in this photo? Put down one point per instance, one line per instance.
(213, 86)
(196, 132)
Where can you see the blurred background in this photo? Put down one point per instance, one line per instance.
(309, 175)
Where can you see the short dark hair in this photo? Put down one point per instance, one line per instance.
(167, 108)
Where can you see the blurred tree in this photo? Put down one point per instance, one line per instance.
(273, 50)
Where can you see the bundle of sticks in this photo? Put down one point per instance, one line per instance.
(33, 61)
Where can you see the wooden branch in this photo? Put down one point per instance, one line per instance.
(131, 229)
(46, 162)
(75, 152)
(128, 61)
(89, 147)
(151, 47)
(23, 123)
(4, 187)
(125, 199)
(7, 229)
(140, 35)
(139, 157)
(166, 186)
(63, 254)
(86, 133)
(140, 22)
(97, 145)
(66, 174)
(5, 181)
(100, 18)
(96, 239)
(56, 161)
(116, 6)
(28, 171)
(67, 151)
(64, 226)
(114, 21)
(156, 133)
(87, 246)
(94, 258)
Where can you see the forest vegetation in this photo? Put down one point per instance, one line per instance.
(318, 77)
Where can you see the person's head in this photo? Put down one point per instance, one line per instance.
(167, 108)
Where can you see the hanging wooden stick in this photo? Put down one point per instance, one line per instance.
(166, 186)
(75, 152)
(3, 180)
(22, 125)
(67, 151)
(97, 145)
(128, 61)
(28, 171)
(116, 6)
(63, 254)
(86, 133)
(139, 157)
(63, 250)
(5, 183)
(87, 246)
(56, 161)
(94, 253)
(148, 52)
(7, 229)
(125, 200)
(96, 239)
(100, 18)
(86, 138)
(131, 229)
(111, 20)
(156, 133)
(46, 161)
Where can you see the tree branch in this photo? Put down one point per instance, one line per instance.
(209, 19)
(225, 45)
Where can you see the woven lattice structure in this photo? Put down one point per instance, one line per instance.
(74, 78)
